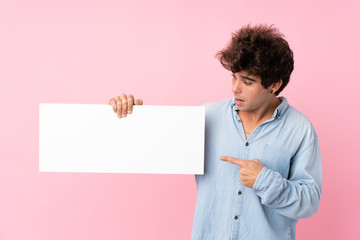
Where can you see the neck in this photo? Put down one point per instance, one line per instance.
(262, 114)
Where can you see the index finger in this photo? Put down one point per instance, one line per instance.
(130, 98)
(112, 102)
(233, 160)
(123, 98)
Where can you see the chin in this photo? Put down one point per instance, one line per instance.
(242, 108)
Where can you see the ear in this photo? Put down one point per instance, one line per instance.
(276, 86)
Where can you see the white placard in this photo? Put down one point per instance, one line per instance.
(91, 138)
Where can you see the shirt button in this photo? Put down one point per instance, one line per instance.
(239, 192)
(246, 144)
(236, 217)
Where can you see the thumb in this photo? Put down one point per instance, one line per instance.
(138, 102)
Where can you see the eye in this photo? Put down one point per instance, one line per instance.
(248, 83)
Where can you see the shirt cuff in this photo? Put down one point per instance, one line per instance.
(264, 179)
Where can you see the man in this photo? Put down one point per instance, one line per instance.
(262, 158)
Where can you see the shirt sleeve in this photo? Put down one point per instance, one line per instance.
(298, 196)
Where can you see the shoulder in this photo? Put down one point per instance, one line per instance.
(298, 116)
(217, 112)
(211, 108)
(299, 123)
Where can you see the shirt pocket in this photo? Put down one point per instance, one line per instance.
(276, 159)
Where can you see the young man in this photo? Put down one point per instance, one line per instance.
(262, 158)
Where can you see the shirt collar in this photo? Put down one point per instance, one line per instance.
(278, 111)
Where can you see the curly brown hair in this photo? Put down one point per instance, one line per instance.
(262, 51)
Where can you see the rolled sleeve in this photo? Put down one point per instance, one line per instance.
(298, 196)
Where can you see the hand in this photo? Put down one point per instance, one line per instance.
(123, 104)
(249, 170)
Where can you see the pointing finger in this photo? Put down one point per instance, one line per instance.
(242, 163)
(232, 160)
(236, 161)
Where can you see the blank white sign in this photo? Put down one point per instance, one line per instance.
(91, 138)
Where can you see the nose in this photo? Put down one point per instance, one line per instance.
(236, 86)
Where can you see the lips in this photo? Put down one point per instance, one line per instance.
(238, 101)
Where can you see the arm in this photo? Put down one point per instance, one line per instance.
(299, 196)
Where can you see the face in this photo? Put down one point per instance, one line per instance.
(250, 95)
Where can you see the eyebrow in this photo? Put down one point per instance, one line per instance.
(250, 79)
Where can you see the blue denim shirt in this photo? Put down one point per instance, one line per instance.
(287, 188)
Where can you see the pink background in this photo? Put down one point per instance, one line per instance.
(163, 51)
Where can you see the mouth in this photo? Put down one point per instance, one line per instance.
(239, 101)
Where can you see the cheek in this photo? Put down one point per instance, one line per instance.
(258, 94)
(252, 94)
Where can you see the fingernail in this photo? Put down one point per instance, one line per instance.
(129, 112)
(119, 116)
